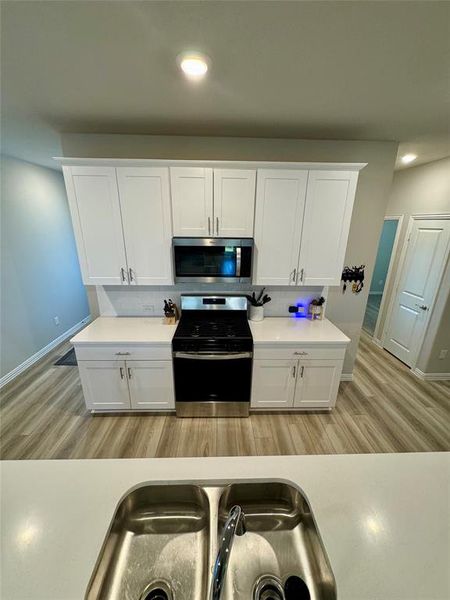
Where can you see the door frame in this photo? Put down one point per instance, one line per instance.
(389, 274)
(399, 273)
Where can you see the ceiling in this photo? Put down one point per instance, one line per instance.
(321, 70)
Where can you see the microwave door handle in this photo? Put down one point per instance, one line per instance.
(238, 261)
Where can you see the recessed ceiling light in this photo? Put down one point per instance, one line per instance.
(407, 158)
(193, 64)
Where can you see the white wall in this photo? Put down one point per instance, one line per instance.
(40, 275)
(424, 190)
(346, 311)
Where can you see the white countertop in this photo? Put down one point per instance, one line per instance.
(144, 330)
(126, 330)
(291, 330)
(384, 519)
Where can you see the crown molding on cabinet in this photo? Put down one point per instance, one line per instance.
(235, 164)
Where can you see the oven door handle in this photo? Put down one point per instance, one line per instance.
(200, 356)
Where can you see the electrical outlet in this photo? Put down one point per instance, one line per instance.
(443, 353)
(56, 320)
(148, 308)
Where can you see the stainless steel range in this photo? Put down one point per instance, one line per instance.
(212, 357)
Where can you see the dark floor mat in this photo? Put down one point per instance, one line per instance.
(68, 360)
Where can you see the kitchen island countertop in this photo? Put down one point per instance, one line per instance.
(384, 518)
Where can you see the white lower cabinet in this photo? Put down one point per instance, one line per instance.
(295, 383)
(317, 383)
(151, 385)
(119, 385)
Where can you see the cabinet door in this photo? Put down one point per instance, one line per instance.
(328, 211)
(192, 201)
(317, 383)
(105, 385)
(145, 203)
(95, 210)
(280, 200)
(234, 202)
(151, 384)
(273, 383)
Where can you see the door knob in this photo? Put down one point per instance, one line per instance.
(422, 306)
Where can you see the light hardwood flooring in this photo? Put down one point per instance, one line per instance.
(384, 409)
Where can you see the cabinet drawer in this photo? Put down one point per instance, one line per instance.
(299, 352)
(123, 352)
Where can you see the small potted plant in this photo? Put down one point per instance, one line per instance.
(256, 305)
(316, 308)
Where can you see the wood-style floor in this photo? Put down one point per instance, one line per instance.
(385, 409)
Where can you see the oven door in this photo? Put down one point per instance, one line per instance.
(212, 384)
(212, 260)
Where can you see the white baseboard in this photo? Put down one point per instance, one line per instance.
(347, 377)
(431, 376)
(377, 342)
(41, 353)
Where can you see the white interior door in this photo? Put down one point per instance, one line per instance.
(317, 383)
(420, 276)
(234, 202)
(328, 211)
(145, 203)
(151, 384)
(94, 205)
(192, 201)
(280, 202)
(105, 384)
(273, 383)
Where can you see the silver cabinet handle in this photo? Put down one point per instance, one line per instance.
(238, 261)
(217, 225)
(294, 275)
(422, 306)
(130, 271)
(294, 371)
(209, 225)
(301, 353)
(121, 372)
(302, 271)
(123, 353)
(129, 372)
(302, 370)
(123, 274)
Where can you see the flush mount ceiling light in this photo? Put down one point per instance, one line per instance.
(193, 64)
(407, 158)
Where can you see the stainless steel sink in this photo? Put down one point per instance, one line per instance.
(159, 537)
(282, 540)
(166, 537)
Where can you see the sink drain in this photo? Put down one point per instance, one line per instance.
(268, 588)
(157, 590)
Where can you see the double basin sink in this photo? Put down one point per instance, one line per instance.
(163, 541)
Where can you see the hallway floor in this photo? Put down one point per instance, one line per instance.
(384, 409)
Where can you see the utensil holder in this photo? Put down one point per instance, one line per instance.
(256, 313)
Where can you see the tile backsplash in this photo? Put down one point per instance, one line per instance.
(147, 301)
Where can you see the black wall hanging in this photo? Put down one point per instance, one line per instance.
(355, 275)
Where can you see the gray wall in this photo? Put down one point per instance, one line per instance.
(346, 311)
(40, 276)
(424, 190)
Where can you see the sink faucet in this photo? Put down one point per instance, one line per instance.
(234, 525)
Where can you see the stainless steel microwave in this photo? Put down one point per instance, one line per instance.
(212, 260)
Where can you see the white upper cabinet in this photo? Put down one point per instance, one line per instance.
(202, 208)
(328, 211)
(192, 201)
(280, 202)
(94, 205)
(145, 202)
(234, 202)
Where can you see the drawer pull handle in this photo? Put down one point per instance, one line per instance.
(123, 353)
(301, 353)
